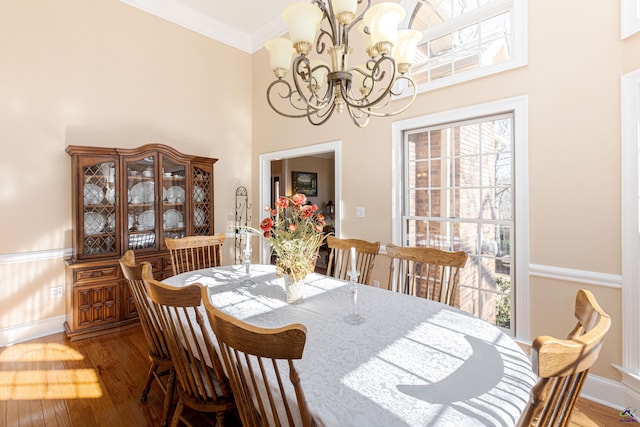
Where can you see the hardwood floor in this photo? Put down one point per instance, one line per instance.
(51, 381)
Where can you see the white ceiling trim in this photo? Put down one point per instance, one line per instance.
(182, 15)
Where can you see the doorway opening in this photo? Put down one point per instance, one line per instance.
(277, 170)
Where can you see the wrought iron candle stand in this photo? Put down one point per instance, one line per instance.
(242, 219)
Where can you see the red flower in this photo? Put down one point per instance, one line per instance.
(293, 227)
(307, 211)
(266, 224)
(299, 199)
(267, 234)
(282, 203)
(320, 217)
(319, 228)
(314, 207)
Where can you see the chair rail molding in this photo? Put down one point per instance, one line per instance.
(35, 255)
(577, 276)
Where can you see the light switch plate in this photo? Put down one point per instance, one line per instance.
(359, 212)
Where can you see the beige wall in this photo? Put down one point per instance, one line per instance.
(572, 80)
(102, 73)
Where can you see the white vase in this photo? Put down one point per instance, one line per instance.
(294, 289)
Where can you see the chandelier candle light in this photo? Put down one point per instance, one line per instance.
(320, 88)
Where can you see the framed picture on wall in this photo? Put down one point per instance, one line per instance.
(305, 183)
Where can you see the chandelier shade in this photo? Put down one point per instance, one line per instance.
(319, 87)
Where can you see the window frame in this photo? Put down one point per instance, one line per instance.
(630, 227)
(519, 107)
(629, 18)
(519, 42)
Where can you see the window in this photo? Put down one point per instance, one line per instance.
(465, 39)
(629, 17)
(460, 175)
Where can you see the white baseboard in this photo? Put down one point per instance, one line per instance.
(610, 393)
(32, 330)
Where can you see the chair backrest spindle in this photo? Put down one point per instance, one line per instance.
(203, 383)
(256, 361)
(428, 272)
(195, 252)
(340, 258)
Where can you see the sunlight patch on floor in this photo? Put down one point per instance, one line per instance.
(28, 372)
(45, 352)
(49, 384)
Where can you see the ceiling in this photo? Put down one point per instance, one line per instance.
(245, 25)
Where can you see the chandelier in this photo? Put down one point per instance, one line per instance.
(319, 88)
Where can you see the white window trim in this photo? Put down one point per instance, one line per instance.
(518, 24)
(519, 105)
(629, 18)
(630, 193)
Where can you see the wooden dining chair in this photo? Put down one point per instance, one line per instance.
(195, 252)
(258, 361)
(202, 384)
(340, 258)
(563, 365)
(425, 272)
(157, 349)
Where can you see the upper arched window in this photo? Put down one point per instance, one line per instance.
(465, 39)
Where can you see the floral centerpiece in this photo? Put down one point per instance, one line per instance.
(294, 230)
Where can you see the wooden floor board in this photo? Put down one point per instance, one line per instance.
(98, 381)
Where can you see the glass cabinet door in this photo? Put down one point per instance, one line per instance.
(174, 201)
(141, 206)
(202, 200)
(98, 228)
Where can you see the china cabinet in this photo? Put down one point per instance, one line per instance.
(128, 199)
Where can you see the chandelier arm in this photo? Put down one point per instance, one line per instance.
(327, 13)
(306, 76)
(364, 103)
(287, 96)
(377, 75)
(326, 99)
(370, 112)
(323, 116)
(355, 117)
(359, 17)
(313, 101)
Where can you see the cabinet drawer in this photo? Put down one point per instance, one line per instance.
(95, 273)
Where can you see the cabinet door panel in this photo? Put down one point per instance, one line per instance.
(141, 201)
(174, 198)
(96, 304)
(202, 200)
(97, 220)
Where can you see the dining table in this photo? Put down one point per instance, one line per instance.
(410, 362)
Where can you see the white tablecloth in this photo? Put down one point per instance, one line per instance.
(413, 362)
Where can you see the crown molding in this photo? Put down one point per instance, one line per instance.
(173, 11)
(274, 28)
